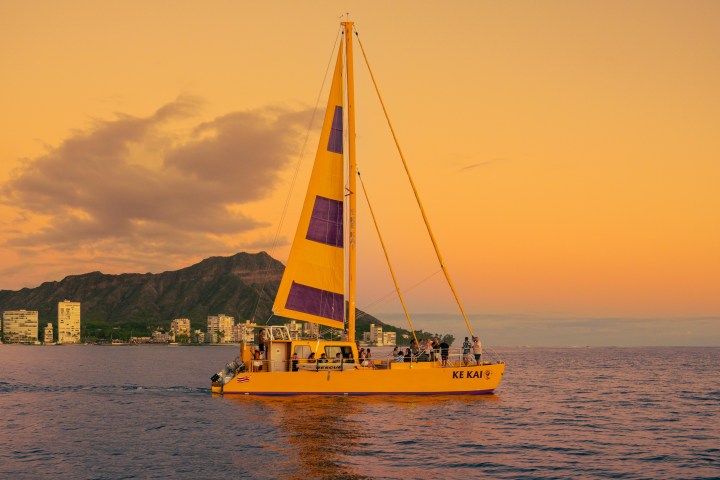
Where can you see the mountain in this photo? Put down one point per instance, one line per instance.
(134, 302)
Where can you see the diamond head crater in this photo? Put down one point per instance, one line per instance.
(137, 304)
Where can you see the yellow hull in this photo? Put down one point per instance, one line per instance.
(422, 378)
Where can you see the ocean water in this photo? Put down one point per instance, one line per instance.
(91, 412)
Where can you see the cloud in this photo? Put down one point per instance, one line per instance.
(484, 163)
(138, 185)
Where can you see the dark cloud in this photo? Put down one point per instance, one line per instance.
(268, 138)
(130, 184)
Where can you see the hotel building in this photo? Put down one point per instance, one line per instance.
(220, 328)
(375, 335)
(20, 326)
(243, 333)
(68, 322)
(311, 330)
(295, 329)
(180, 326)
(389, 338)
(48, 336)
(378, 338)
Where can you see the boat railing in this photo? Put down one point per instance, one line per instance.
(455, 358)
(278, 332)
(490, 355)
(259, 365)
(263, 365)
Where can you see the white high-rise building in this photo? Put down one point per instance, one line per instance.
(48, 336)
(389, 338)
(20, 326)
(376, 335)
(220, 328)
(68, 322)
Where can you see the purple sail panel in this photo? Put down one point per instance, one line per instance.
(315, 302)
(335, 144)
(326, 222)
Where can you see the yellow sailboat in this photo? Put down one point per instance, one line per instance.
(315, 289)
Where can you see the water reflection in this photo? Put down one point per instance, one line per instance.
(332, 437)
(317, 432)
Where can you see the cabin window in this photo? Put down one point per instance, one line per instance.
(332, 351)
(302, 351)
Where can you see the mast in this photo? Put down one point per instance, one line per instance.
(352, 167)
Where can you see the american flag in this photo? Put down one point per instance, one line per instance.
(244, 379)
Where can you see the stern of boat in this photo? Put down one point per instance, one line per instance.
(224, 376)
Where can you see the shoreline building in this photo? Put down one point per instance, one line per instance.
(220, 328)
(198, 336)
(158, 336)
(243, 333)
(295, 329)
(180, 326)
(68, 322)
(20, 326)
(48, 336)
(389, 338)
(376, 337)
(311, 330)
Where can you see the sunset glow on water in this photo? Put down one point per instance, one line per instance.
(138, 412)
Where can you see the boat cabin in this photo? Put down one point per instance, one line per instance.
(274, 348)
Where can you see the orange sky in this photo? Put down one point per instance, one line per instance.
(567, 152)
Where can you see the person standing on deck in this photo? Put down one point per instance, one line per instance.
(414, 348)
(466, 350)
(368, 358)
(444, 349)
(435, 349)
(257, 362)
(477, 350)
(261, 342)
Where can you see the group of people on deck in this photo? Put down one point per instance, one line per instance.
(429, 349)
(365, 358)
(476, 348)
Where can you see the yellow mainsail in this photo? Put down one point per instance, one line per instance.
(313, 285)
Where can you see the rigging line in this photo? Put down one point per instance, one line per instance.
(414, 189)
(293, 181)
(387, 257)
(390, 294)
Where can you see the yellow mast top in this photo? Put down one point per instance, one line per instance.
(352, 167)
